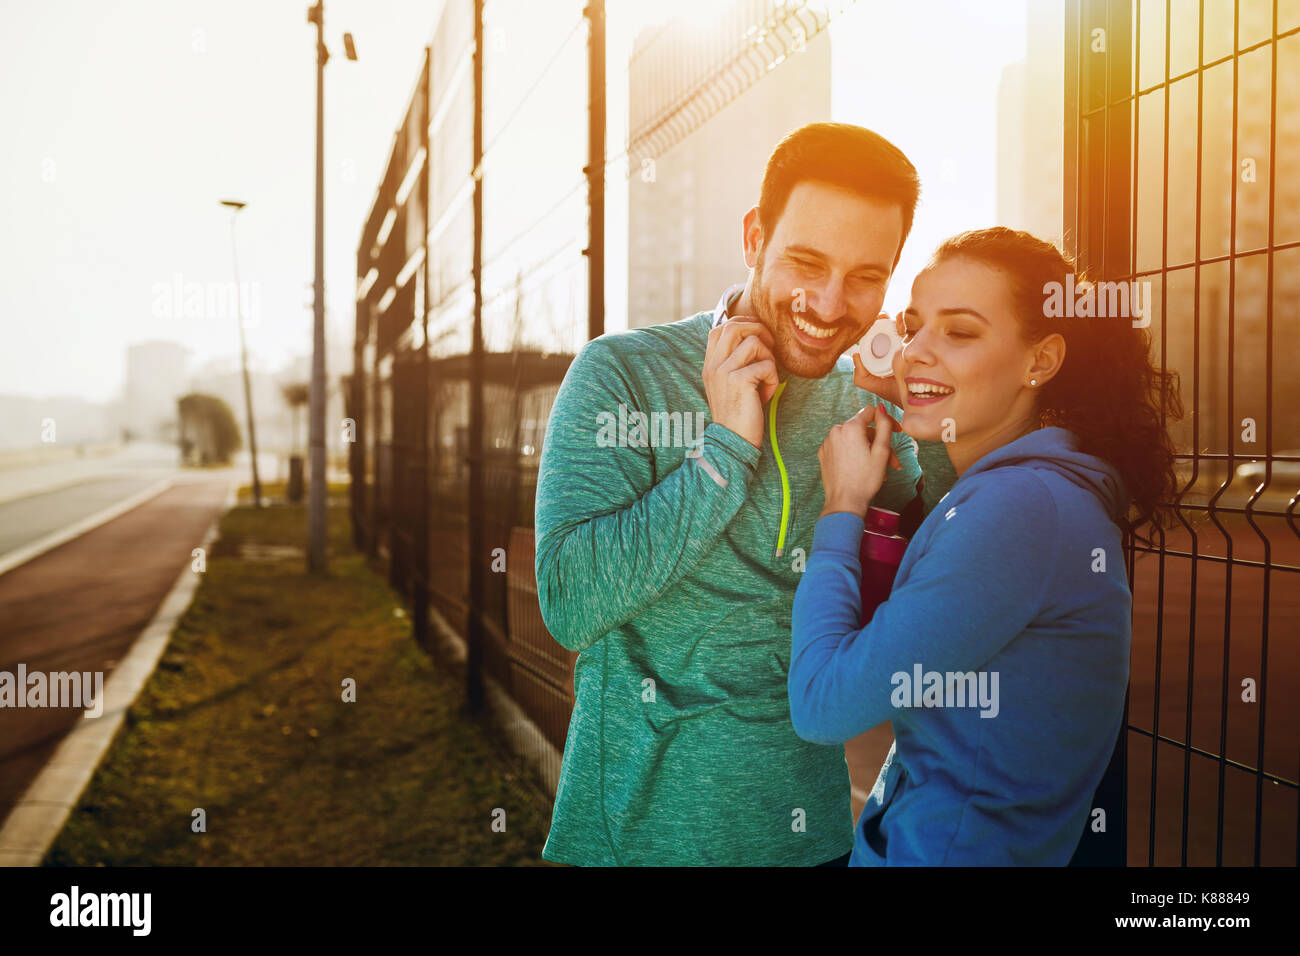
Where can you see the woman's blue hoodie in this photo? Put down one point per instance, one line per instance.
(1001, 658)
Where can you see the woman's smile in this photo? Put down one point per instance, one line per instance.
(926, 391)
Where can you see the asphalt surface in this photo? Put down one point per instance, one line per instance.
(31, 518)
(80, 606)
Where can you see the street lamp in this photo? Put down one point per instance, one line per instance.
(235, 205)
(316, 531)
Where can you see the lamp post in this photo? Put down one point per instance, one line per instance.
(235, 205)
(316, 531)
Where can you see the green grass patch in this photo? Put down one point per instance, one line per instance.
(244, 718)
(277, 492)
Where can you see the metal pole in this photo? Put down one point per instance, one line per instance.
(357, 450)
(316, 555)
(477, 543)
(243, 359)
(376, 430)
(595, 170)
(420, 591)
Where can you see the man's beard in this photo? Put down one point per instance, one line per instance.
(778, 318)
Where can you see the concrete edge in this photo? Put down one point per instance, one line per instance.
(36, 819)
(54, 486)
(524, 737)
(51, 541)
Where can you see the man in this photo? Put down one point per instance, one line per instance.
(670, 560)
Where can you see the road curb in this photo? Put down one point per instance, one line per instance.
(523, 736)
(39, 815)
(53, 486)
(51, 541)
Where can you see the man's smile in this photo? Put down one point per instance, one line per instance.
(811, 328)
(813, 335)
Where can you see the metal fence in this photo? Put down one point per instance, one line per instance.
(450, 387)
(474, 279)
(1182, 170)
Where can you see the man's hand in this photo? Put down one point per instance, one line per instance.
(853, 461)
(740, 376)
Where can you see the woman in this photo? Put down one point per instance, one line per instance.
(1001, 656)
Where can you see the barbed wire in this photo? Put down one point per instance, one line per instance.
(785, 32)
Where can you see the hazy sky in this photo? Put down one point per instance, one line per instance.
(125, 122)
(925, 74)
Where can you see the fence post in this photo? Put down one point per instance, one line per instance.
(420, 588)
(595, 169)
(357, 450)
(375, 430)
(474, 639)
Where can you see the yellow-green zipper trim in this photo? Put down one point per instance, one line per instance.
(780, 465)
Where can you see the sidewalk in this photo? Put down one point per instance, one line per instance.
(245, 720)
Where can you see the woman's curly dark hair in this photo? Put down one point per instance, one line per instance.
(1107, 390)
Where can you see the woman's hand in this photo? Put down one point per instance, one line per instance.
(853, 462)
(887, 386)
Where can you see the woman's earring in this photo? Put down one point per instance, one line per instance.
(1033, 381)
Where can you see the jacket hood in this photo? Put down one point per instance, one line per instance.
(1057, 449)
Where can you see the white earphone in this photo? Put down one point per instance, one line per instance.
(878, 346)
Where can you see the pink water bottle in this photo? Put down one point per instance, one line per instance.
(881, 552)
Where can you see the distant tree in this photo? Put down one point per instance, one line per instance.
(296, 395)
(208, 431)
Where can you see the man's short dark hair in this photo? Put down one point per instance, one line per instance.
(843, 155)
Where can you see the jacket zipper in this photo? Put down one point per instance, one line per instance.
(780, 466)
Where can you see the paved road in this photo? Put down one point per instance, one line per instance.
(27, 520)
(81, 605)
